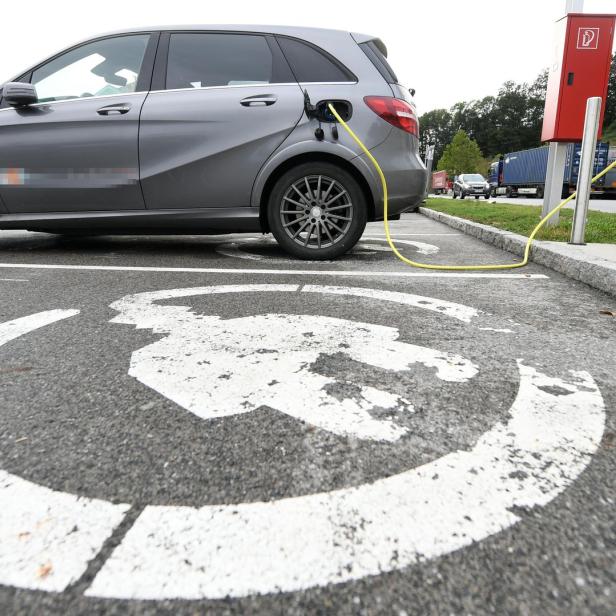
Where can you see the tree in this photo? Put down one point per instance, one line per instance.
(462, 155)
(507, 122)
(435, 128)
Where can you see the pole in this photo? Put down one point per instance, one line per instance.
(557, 155)
(429, 159)
(574, 6)
(587, 163)
(554, 179)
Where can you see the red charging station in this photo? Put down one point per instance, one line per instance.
(580, 70)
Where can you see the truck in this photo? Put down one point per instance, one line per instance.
(523, 173)
(440, 183)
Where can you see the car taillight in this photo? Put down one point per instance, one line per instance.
(395, 111)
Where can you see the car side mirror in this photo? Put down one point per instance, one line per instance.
(18, 94)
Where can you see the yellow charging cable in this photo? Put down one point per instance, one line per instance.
(451, 267)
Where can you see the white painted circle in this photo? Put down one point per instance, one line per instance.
(319, 539)
(366, 246)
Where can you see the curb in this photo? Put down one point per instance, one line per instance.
(564, 258)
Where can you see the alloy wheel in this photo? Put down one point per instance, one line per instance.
(316, 211)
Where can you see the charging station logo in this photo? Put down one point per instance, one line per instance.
(588, 38)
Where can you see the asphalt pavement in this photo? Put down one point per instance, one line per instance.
(198, 425)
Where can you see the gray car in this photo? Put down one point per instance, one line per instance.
(473, 184)
(209, 129)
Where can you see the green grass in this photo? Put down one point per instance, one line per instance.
(522, 219)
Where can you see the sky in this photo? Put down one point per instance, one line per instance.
(448, 50)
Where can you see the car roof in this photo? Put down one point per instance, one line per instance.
(298, 31)
(314, 35)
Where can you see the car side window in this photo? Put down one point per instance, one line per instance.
(103, 67)
(204, 60)
(309, 64)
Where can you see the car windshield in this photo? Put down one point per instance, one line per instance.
(473, 177)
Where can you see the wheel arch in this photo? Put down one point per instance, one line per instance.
(262, 196)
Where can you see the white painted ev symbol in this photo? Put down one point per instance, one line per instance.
(216, 368)
(233, 550)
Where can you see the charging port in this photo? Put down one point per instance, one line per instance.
(344, 108)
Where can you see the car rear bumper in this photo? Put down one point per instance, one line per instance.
(404, 171)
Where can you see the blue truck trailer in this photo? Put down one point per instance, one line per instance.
(523, 173)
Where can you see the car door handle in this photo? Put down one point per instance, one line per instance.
(114, 109)
(260, 100)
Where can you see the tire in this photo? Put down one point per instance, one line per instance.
(454, 196)
(486, 196)
(508, 192)
(477, 198)
(462, 195)
(299, 220)
(539, 192)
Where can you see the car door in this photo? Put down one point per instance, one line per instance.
(77, 148)
(224, 103)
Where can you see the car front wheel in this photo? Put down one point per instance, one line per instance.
(317, 211)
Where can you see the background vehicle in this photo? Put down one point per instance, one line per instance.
(439, 182)
(207, 130)
(523, 173)
(471, 184)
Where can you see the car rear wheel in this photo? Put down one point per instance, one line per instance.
(317, 211)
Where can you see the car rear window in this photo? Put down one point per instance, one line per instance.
(310, 64)
(379, 59)
(202, 60)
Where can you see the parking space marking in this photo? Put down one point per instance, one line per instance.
(395, 235)
(271, 272)
(297, 543)
(207, 365)
(554, 427)
(18, 327)
(238, 248)
(47, 538)
(451, 309)
(14, 280)
(292, 544)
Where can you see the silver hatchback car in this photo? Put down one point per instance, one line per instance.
(209, 129)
